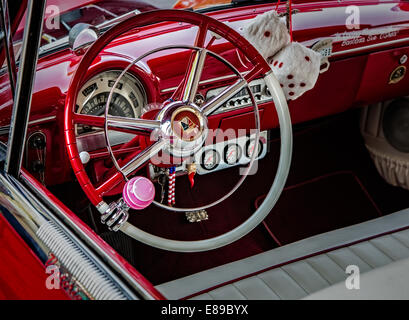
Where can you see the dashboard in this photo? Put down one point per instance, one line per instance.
(130, 100)
(353, 79)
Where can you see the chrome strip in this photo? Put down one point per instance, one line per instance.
(6, 129)
(32, 215)
(205, 82)
(85, 237)
(194, 75)
(42, 120)
(142, 158)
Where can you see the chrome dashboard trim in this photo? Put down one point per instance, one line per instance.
(6, 129)
(42, 120)
(205, 82)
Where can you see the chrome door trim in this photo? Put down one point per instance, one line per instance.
(31, 214)
(57, 213)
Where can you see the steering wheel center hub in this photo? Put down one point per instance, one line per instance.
(185, 126)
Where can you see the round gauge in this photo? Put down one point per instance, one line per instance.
(232, 154)
(210, 159)
(251, 144)
(127, 100)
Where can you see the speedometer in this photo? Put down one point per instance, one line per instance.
(127, 100)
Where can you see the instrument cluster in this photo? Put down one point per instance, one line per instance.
(225, 154)
(231, 153)
(127, 100)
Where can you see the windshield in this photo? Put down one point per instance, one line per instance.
(215, 4)
(199, 4)
(62, 15)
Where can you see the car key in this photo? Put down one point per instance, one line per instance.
(162, 182)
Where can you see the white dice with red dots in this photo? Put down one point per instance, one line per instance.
(297, 69)
(267, 33)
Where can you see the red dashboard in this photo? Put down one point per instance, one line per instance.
(360, 67)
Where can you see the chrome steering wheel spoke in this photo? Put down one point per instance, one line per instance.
(137, 125)
(142, 158)
(192, 79)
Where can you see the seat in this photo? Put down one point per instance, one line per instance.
(302, 268)
(390, 282)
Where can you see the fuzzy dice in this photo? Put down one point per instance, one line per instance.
(267, 33)
(297, 68)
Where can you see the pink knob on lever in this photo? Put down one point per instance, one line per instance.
(139, 193)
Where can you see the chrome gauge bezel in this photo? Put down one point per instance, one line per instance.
(131, 90)
(238, 153)
(216, 162)
(259, 145)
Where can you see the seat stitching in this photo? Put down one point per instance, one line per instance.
(383, 251)
(403, 233)
(276, 293)
(319, 273)
(296, 282)
(326, 255)
(227, 286)
(210, 294)
(205, 294)
(356, 255)
(342, 268)
(400, 241)
(367, 262)
(241, 292)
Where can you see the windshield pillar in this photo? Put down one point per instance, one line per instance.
(24, 86)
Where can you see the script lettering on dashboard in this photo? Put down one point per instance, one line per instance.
(351, 38)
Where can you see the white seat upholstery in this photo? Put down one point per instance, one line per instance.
(302, 268)
(388, 282)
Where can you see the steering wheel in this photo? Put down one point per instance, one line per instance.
(163, 127)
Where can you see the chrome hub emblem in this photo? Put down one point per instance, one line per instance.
(187, 124)
(184, 126)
